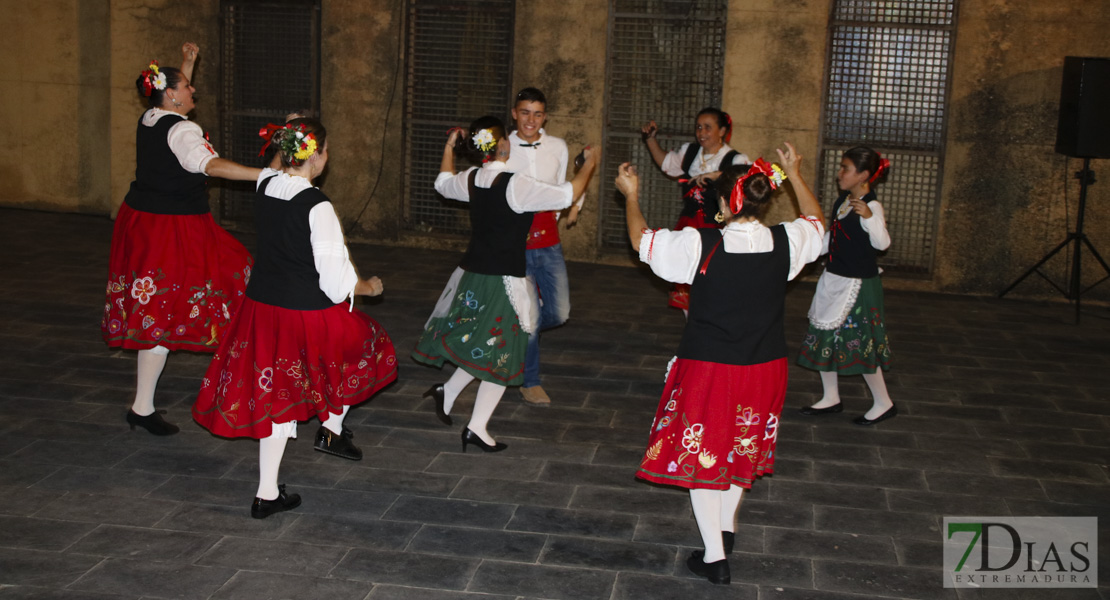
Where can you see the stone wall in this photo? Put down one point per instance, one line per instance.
(70, 106)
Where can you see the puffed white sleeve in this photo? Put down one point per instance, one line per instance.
(807, 238)
(875, 226)
(525, 194)
(672, 255)
(740, 159)
(455, 187)
(186, 141)
(329, 252)
(672, 162)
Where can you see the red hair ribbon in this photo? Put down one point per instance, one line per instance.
(884, 164)
(728, 133)
(736, 199)
(267, 133)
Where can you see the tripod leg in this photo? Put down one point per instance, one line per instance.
(1098, 257)
(1034, 268)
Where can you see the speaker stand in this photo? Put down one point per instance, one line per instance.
(1086, 178)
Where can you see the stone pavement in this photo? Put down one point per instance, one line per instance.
(1004, 410)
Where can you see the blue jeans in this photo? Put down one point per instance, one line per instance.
(548, 269)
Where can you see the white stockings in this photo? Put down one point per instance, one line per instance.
(148, 370)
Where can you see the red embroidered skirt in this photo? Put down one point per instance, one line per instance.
(277, 365)
(173, 281)
(716, 424)
(680, 293)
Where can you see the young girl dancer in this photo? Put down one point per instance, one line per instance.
(174, 276)
(717, 423)
(296, 349)
(482, 320)
(847, 331)
(696, 166)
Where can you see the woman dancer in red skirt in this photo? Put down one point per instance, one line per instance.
(175, 277)
(296, 349)
(717, 423)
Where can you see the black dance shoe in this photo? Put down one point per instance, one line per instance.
(260, 509)
(436, 393)
(890, 412)
(152, 423)
(809, 411)
(337, 445)
(715, 572)
(469, 437)
(729, 540)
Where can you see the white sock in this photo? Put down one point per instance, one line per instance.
(831, 390)
(882, 401)
(489, 394)
(454, 386)
(149, 368)
(270, 451)
(707, 512)
(334, 422)
(730, 504)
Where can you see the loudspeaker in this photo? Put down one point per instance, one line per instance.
(1084, 127)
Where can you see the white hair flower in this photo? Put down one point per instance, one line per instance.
(484, 141)
(159, 81)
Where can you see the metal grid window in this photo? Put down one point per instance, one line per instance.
(665, 61)
(459, 67)
(888, 78)
(261, 82)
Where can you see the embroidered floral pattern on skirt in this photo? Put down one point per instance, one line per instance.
(279, 365)
(480, 332)
(716, 425)
(174, 281)
(859, 345)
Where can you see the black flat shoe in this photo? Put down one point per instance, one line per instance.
(729, 539)
(260, 509)
(469, 437)
(715, 572)
(337, 445)
(809, 411)
(152, 423)
(436, 393)
(890, 412)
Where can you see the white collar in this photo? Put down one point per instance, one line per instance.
(151, 116)
(495, 165)
(745, 226)
(516, 139)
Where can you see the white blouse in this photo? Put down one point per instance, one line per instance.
(186, 141)
(676, 255)
(329, 251)
(524, 193)
(672, 163)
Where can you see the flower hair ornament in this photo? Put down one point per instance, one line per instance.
(483, 140)
(291, 140)
(884, 166)
(153, 79)
(773, 172)
(728, 134)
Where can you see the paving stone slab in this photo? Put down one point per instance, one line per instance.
(637, 586)
(938, 503)
(877, 523)
(350, 532)
(495, 467)
(590, 523)
(156, 579)
(391, 481)
(449, 511)
(253, 585)
(398, 592)
(45, 569)
(643, 500)
(609, 555)
(776, 514)
(97, 508)
(885, 477)
(225, 520)
(274, 556)
(41, 534)
(408, 568)
(114, 482)
(149, 544)
(25, 501)
(478, 543)
(881, 580)
(558, 583)
(852, 547)
(20, 592)
(507, 491)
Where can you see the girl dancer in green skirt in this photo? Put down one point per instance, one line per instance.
(847, 330)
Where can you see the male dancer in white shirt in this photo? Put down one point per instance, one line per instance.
(543, 158)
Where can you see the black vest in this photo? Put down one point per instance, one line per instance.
(693, 197)
(162, 185)
(497, 234)
(736, 307)
(284, 272)
(850, 251)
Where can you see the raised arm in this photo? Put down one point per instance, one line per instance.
(582, 177)
(657, 152)
(791, 164)
(189, 53)
(229, 169)
(447, 163)
(629, 184)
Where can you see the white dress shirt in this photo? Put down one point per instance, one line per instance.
(524, 193)
(329, 251)
(672, 163)
(186, 140)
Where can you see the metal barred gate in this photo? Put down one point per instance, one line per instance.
(888, 79)
(261, 81)
(458, 65)
(664, 61)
